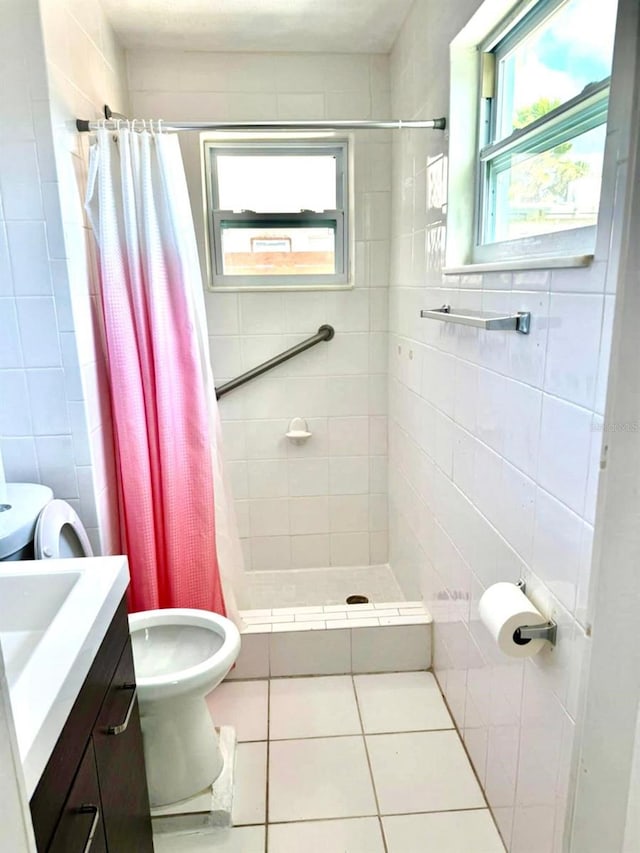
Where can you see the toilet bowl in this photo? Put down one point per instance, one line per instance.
(180, 655)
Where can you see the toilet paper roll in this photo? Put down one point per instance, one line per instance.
(503, 609)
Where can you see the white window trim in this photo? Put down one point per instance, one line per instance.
(343, 281)
(573, 247)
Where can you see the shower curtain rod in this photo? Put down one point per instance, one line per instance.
(85, 126)
(111, 121)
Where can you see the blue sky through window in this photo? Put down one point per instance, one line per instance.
(568, 50)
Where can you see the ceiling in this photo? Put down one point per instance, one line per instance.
(333, 26)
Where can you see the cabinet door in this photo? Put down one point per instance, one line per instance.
(119, 757)
(80, 828)
(53, 788)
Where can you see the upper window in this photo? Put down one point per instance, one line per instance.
(545, 91)
(277, 214)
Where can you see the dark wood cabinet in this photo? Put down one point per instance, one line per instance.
(81, 825)
(120, 761)
(94, 785)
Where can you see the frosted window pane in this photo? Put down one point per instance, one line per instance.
(277, 184)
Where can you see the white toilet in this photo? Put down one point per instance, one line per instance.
(180, 655)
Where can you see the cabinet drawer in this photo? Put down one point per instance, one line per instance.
(119, 757)
(80, 828)
(55, 784)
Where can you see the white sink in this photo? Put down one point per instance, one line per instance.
(28, 606)
(53, 618)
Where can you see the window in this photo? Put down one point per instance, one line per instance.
(277, 214)
(543, 112)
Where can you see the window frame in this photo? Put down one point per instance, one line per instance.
(589, 105)
(218, 280)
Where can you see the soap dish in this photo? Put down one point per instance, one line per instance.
(298, 431)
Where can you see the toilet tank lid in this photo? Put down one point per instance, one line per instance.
(25, 502)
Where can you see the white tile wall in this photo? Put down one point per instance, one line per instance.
(85, 70)
(494, 451)
(316, 504)
(30, 358)
(54, 426)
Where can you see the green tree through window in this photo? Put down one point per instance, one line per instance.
(544, 177)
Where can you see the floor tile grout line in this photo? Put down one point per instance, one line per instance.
(382, 834)
(355, 734)
(471, 764)
(266, 791)
(379, 815)
(373, 816)
(324, 674)
(366, 752)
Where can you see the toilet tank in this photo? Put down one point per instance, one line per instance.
(23, 503)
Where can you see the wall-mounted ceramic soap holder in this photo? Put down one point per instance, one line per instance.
(298, 431)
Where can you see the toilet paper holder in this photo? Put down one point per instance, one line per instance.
(526, 633)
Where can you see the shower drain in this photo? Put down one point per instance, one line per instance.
(357, 599)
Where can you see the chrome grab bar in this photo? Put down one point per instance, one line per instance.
(519, 322)
(324, 333)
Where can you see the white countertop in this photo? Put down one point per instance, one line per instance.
(54, 615)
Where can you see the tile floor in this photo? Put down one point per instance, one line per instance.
(345, 764)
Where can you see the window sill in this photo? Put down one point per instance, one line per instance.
(517, 264)
(280, 288)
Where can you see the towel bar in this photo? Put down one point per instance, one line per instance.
(519, 322)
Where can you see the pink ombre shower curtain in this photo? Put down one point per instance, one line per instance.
(177, 518)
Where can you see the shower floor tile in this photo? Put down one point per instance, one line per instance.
(361, 764)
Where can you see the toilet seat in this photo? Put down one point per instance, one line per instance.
(181, 650)
(60, 533)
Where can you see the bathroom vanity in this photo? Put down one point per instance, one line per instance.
(69, 668)
(94, 784)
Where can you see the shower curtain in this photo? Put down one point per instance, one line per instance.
(176, 512)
